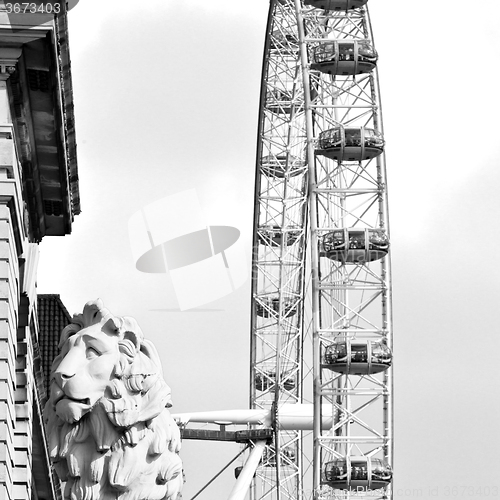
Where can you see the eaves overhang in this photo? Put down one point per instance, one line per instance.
(35, 63)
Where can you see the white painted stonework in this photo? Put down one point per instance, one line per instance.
(110, 433)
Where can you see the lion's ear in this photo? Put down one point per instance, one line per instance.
(132, 337)
(128, 349)
(129, 345)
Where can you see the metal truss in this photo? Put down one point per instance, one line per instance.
(353, 298)
(302, 196)
(279, 252)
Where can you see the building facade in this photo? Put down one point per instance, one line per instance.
(39, 197)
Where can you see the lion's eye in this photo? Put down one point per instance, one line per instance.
(92, 353)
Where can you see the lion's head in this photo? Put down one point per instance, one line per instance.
(109, 430)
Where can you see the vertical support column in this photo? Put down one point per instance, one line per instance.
(9, 293)
(23, 433)
(9, 280)
(277, 335)
(314, 254)
(16, 382)
(7, 410)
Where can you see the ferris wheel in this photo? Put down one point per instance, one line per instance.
(321, 340)
(320, 420)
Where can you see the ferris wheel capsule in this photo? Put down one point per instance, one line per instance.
(266, 380)
(350, 143)
(357, 357)
(355, 246)
(349, 57)
(283, 166)
(357, 473)
(269, 457)
(269, 306)
(275, 235)
(279, 101)
(284, 41)
(335, 4)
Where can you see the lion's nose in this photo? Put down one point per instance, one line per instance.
(62, 377)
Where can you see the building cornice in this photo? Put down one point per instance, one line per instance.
(35, 63)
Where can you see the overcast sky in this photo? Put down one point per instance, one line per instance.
(166, 99)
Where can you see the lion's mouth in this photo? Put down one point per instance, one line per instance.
(85, 401)
(59, 394)
(72, 410)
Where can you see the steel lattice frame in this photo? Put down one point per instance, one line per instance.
(301, 196)
(279, 250)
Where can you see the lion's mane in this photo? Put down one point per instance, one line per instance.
(126, 446)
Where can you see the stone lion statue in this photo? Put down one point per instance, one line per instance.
(110, 433)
